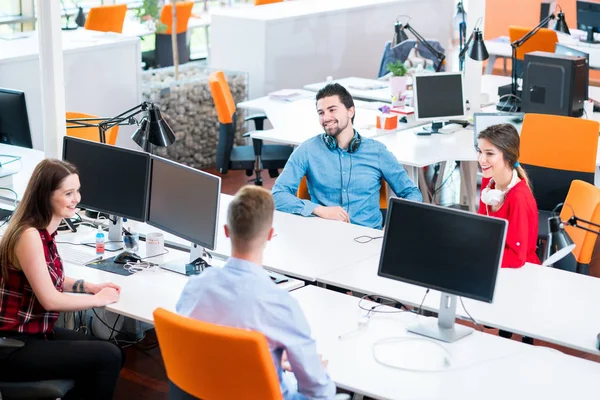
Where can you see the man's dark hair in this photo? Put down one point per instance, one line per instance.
(335, 89)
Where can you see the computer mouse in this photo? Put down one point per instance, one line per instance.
(126, 257)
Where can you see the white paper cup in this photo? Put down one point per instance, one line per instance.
(155, 244)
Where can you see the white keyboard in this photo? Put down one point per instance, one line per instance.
(69, 253)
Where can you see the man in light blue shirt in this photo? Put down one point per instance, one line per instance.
(242, 295)
(343, 170)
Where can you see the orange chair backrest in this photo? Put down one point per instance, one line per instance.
(302, 193)
(109, 18)
(184, 11)
(222, 97)
(583, 199)
(558, 142)
(91, 133)
(544, 40)
(200, 359)
(263, 2)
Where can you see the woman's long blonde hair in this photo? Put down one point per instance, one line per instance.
(35, 209)
(506, 138)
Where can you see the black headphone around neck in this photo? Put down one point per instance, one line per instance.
(331, 142)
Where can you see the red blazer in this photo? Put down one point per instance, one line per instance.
(520, 210)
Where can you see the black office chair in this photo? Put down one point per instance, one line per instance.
(248, 158)
(40, 390)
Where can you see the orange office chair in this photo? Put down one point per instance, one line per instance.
(544, 40)
(109, 18)
(583, 200)
(90, 133)
(163, 55)
(263, 2)
(555, 151)
(303, 193)
(200, 357)
(255, 157)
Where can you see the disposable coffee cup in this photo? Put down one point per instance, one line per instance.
(155, 244)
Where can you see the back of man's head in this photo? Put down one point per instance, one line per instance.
(250, 217)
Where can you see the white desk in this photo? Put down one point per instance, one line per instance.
(500, 47)
(482, 365)
(143, 292)
(102, 76)
(24, 168)
(539, 302)
(304, 247)
(287, 44)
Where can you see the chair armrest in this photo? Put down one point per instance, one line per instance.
(259, 121)
(10, 343)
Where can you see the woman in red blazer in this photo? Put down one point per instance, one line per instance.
(506, 193)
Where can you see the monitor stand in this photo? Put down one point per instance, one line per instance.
(192, 266)
(589, 38)
(445, 329)
(114, 241)
(435, 128)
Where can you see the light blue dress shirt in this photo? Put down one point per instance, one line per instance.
(339, 178)
(242, 295)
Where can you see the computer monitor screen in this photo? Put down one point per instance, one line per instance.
(440, 248)
(14, 122)
(184, 202)
(439, 96)
(113, 180)
(588, 18)
(482, 121)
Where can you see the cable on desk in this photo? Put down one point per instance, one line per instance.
(16, 201)
(362, 239)
(14, 158)
(373, 309)
(156, 255)
(515, 107)
(447, 358)
(422, 301)
(470, 317)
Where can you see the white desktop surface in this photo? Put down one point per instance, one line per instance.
(142, 292)
(482, 365)
(303, 247)
(18, 182)
(539, 302)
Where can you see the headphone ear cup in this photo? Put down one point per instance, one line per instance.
(329, 141)
(355, 144)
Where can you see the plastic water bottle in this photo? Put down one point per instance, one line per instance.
(100, 241)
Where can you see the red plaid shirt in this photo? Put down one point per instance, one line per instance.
(20, 310)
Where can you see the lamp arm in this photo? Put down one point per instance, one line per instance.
(464, 50)
(519, 42)
(440, 56)
(124, 116)
(573, 221)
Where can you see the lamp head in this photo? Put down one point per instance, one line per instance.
(478, 51)
(153, 129)
(401, 36)
(561, 24)
(559, 243)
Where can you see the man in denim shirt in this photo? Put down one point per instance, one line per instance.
(242, 295)
(343, 170)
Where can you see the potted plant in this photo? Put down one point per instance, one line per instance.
(398, 79)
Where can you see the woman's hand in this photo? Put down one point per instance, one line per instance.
(106, 296)
(94, 288)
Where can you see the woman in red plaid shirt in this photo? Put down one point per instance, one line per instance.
(32, 293)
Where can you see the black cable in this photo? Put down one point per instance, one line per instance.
(422, 301)
(113, 329)
(367, 239)
(445, 181)
(373, 309)
(472, 319)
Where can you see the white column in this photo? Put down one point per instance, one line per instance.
(473, 68)
(52, 76)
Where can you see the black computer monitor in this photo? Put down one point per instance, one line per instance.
(588, 19)
(113, 180)
(453, 251)
(14, 122)
(185, 202)
(438, 97)
(482, 121)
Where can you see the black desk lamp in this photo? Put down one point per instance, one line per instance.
(560, 25)
(560, 243)
(153, 129)
(400, 36)
(478, 51)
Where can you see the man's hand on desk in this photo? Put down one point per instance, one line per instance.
(286, 366)
(335, 213)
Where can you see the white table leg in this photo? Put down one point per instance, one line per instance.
(468, 184)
